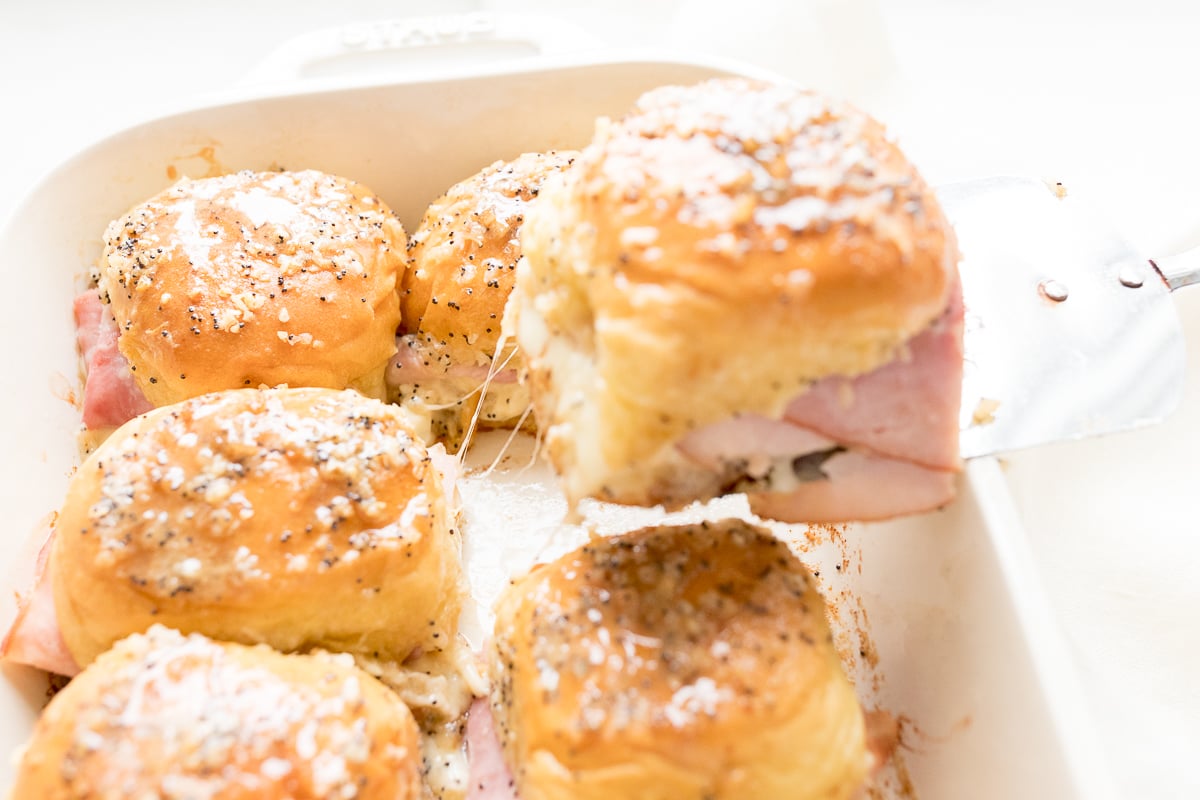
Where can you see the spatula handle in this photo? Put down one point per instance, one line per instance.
(1181, 269)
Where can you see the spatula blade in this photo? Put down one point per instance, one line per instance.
(1107, 356)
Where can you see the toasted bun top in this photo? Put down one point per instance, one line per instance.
(255, 278)
(692, 659)
(294, 517)
(163, 715)
(770, 197)
(714, 252)
(463, 255)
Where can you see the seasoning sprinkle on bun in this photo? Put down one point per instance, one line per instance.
(686, 662)
(255, 278)
(462, 263)
(164, 715)
(298, 518)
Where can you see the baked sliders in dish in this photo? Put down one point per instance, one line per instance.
(298, 518)
(166, 715)
(744, 287)
(672, 662)
(462, 260)
(247, 279)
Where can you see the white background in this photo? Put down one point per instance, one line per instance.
(1102, 96)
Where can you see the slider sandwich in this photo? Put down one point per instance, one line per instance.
(451, 363)
(247, 279)
(298, 518)
(687, 662)
(744, 287)
(163, 715)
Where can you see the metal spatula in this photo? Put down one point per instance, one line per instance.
(1069, 332)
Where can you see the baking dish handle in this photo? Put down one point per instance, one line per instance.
(423, 47)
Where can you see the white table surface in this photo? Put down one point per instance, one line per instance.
(1103, 96)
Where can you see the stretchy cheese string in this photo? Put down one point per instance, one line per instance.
(493, 369)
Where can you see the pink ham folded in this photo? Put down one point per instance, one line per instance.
(490, 776)
(110, 396)
(907, 409)
(859, 486)
(414, 364)
(872, 447)
(34, 638)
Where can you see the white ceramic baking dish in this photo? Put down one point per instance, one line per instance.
(940, 618)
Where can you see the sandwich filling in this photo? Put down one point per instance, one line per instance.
(871, 447)
(110, 395)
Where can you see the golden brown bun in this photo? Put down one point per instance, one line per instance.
(255, 278)
(295, 517)
(681, 662)
(162, 715)
(715, 252)
(463, 256)
(462, 262)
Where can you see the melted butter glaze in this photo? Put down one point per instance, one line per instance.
(166, 486)
(296, 517)
(213, 268)
(669, 628)
(674, 662)
(463, 256)
(751, 167)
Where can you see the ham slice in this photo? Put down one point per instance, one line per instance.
(412, 364)
(860, 486)
(35, 638)
(110, 396)
(907, 409)
(490, 776)
(749, 438)
(855, 483)
(879, 445)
